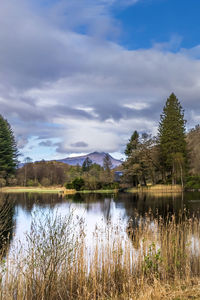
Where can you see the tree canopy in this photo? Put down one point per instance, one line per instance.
(132, 144)
(171, 136)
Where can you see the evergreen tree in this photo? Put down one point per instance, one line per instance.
(107, 164)
(86, 164)
(132, 144)
(171, 138)
(8, 149)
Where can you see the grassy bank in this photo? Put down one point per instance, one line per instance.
(59, 190)
(150, 264)
(158, 188)
(18, 189)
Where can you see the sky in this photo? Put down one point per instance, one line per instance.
(78, 76)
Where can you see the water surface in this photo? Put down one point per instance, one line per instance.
(97, 210)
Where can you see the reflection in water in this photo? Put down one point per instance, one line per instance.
(141, 240)
(131, 210)
(124, 202)
(27, 201)
(6, 223)
(162, 205)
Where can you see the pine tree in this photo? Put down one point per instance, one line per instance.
(171, 137)
(8, 149)
(132, 144)
(86, 164)
(107, 164)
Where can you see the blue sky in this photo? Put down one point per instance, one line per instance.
(78, 76)
(158, 21)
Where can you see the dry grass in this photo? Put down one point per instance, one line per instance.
(51, 189)
(154, 259)
(158, 188)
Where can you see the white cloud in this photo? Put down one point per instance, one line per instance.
(82, 88)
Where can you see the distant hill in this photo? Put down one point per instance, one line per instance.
(96, 157)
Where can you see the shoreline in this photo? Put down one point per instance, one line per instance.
(21, 189)
(52, 190)
(155, 189)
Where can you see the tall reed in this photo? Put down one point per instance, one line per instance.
(152, 259)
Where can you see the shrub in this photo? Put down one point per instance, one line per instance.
(110, 186)
(78, 184)
(11, 181)
(69, 186)
(2, 182)
(193, 182)
(51, 244)
(31, 182)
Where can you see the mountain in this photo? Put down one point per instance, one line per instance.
(96, 157)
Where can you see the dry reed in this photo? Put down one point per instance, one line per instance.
(158, 188)
(152, 259)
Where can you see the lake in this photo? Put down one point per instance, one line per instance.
(94, 246)
(96, 210)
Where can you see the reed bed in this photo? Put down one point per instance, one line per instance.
(152, 258)
(158, 188)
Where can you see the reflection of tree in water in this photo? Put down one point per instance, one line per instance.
(94, 202)
(28, 200)
(7, 209)
(164, 206)
(77, 197)
(142, 209)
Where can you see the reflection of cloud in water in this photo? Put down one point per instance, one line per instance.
(106, 218)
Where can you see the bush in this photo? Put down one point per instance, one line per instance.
(69, 186)
(2, 182)
(31, 182)
(77, 184)
(193, 182)
(51, 244)
(110, 186)
(11, 181)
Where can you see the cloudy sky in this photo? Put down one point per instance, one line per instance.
(78, 76)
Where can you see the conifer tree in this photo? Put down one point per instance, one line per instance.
(132, 144)
(8, 149)
(107, 163)
(171, 138)
(86, 164)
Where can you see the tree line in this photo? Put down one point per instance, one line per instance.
(90, 176)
